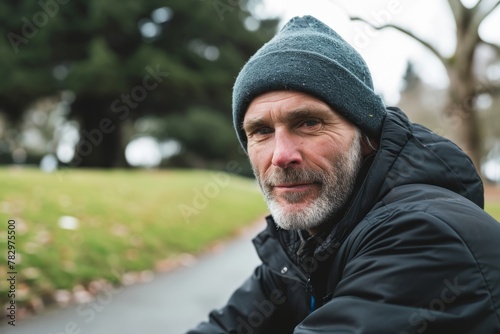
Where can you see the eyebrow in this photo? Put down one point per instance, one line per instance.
(291, 116)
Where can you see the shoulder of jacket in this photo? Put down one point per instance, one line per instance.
(426, 212)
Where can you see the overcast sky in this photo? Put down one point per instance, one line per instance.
(388, 51)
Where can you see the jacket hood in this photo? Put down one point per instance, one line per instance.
(409, 153)
(412, 154)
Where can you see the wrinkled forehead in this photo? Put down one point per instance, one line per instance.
(287, 105)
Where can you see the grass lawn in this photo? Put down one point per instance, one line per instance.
(75, 226)
(493, 208)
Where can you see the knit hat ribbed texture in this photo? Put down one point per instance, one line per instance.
(309, 57)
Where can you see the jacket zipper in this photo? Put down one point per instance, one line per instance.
(310, 292)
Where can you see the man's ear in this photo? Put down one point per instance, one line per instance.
(368, 145)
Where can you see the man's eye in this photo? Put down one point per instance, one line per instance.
(263, 131)
(311, 123)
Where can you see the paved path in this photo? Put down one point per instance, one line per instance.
(170, 304)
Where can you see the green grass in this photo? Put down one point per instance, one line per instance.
(127, 222)
(493, 209)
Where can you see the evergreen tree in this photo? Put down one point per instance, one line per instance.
(123, 60)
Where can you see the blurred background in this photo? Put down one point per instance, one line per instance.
(130, 84)
(117, 151)
(158, 74)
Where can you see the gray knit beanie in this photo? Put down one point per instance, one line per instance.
(308, 56)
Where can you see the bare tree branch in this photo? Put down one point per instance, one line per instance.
(457, 8)
(485, 6)
(481, 11)
(475, 7)
(493, 90)
(431, 48)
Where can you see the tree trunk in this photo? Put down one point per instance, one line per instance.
(100, 142)
(462, 92)
(462, 113)
(465, 130)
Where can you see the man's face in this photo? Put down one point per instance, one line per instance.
(305, 156)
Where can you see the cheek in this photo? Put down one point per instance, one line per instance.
(323, 153)
(259, 156)
(255, 162)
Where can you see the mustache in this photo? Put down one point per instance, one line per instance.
(285, 176)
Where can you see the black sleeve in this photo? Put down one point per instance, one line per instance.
(258, 306)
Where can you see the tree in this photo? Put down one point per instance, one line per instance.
(420, 101)
(466, 84)
(123, 59)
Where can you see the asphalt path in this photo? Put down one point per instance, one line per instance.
(171, 303)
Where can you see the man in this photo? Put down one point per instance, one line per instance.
(377, 224)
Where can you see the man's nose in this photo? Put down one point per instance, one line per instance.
(286, 150)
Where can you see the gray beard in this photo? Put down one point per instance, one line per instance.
(337, 186)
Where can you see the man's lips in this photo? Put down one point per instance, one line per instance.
(294, 186)
(291, 185)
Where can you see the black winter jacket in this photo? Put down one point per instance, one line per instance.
(414, 253)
